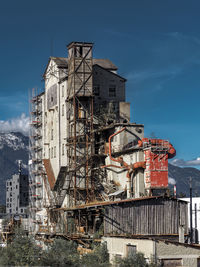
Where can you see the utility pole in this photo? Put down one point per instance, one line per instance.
(191, 228)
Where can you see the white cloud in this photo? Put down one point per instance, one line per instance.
(186, 163)
(19, 124)
(171, 181)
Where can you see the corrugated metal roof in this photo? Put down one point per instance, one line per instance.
(107, 203)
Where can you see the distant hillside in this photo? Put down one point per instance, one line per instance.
(182, 177)
(13, 147)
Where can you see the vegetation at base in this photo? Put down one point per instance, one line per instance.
(98, 258)
(23, 251)
(20, 252)
(134, 260)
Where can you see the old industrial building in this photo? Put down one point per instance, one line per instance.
(91, 169)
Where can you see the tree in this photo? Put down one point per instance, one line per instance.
(20, 252)
(61, 253)
(132, 260)
(98, 258)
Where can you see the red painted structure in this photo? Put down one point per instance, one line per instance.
(156, 154)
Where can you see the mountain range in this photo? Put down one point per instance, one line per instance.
(14, 146)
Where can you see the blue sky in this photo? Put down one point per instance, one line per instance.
(154, 43)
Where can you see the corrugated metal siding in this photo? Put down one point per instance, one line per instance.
(146, 217)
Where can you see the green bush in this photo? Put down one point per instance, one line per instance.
(133, 260)
(61, 253)
(98, 258)
(21, 251)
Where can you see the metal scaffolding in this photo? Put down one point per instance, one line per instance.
(35, 148)
(80, 141)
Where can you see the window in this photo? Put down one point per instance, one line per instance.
(22, 210)
(10, 210)
(171, 262)
(7, 199)
(16, 186)
(7, 188)
(63, 109)
(96, 90)
(11, 194)
(112, 90)
(51, 134)
(54, 152)
(10, 183)
(81, 51)
(62, 90)
(131, 250)
(63, 149)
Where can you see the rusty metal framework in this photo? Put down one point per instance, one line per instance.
(80, 139)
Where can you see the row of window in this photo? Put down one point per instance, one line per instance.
(52, 151)
(10, 211)
(111, 91)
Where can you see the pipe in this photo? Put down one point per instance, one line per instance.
(111, 165)
(171, 150)
(140, 164)
(124, 165)
(120, 159)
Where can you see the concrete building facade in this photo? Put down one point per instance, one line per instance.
(17, 195)
(164, 252)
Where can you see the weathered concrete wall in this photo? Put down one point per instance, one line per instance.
(152, 249)
(189, 255)
(118, 246)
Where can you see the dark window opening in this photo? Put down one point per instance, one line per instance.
(112, 90)
(81, 51)
(96, 90)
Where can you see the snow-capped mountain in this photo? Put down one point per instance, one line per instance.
(15, 141)
(13, 147)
